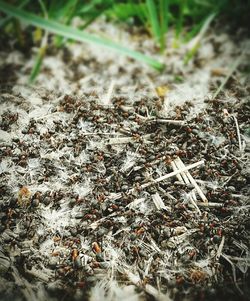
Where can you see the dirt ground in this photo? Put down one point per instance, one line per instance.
(122, 183)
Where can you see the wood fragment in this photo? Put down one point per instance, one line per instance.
(219, 251)
(106, 101)
(136, 280)
(230, 73)
(160, 120)
(210, 204)
(135, 203)
(116, 196)
(192, 181)
(172, 174)
(159, 204)
(193, 201)
(238, 133)
(124, 140)
(179, 164)
(175, 168)
(25, 286)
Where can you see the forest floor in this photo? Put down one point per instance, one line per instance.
(122, 183)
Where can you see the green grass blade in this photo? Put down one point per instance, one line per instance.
(140, 10)
(180, 19)
(7, 18)
(43, 8)
(164, 15)
(37, 66)
(198, 38)
(64, 11)
(75, 34)
(163, 21)
(154, 21)
(67, 14)
(41, 53)
(230, 73)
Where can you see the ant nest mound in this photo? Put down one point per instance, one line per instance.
(111, 199)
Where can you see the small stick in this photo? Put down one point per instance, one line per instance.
(192, 180)
(117, 196)
(99, 133)
(179, 164)
(48, 115)
(172, 174)
(122, 140)
(171, 121)
(38, 274)
(159, 204)
(194, 195)
(193, 201)
(107, 98)
(95, 224)
(173, 164)
(179, 238)
(25, 286)
(153, 119)
(238, 133)
(245, 259)
(219, 251)
(210, 204)
(234, 273)
(135, 203)
(136, 280)
(146, 272)
(231, 71)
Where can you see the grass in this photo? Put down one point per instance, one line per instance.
(75, 34)
(230, 73)
(154, 21)
(189, 18)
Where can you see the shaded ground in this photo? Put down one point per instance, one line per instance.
(82, 216)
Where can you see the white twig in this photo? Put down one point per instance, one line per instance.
(135, 279)
(175, 168)
(107, 98)
(145, 274)
(159, 120)
(39, 274)
(120, 140)
(238, 133)
(193, 44)
(135, 203)
(191, 180)
(219, 251)
(116, 196)
(245, 259)
(25, 286)
(210, 204)
(169, 121)
(231, 71)
(95, 224)
(234, 272)
(179, 164)
(172, 174)
(192, 199)
(159, 204)
(180, 238)
(99, 133)
(47, 116)
(123, 140)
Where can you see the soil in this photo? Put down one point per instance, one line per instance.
(122, 183)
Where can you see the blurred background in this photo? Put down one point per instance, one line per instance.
(48, 26)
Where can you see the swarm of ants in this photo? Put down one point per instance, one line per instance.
(87, 208)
